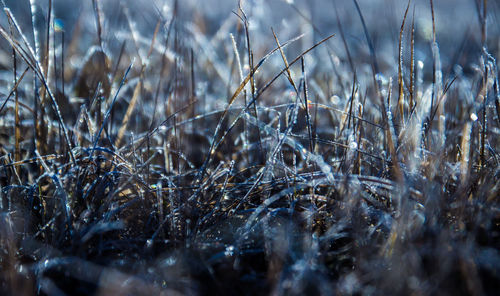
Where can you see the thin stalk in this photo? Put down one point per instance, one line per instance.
(401, 99)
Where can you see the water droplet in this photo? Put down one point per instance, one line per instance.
(353, 145)
(473, 117)
(335, 99)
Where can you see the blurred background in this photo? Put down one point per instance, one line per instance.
(457, 21)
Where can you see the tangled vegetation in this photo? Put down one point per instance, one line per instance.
(165, 147)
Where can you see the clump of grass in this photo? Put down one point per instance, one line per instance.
(157, 148)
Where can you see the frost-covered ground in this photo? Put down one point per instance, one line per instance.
(277, 147)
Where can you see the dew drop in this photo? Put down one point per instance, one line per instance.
(335, 99)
